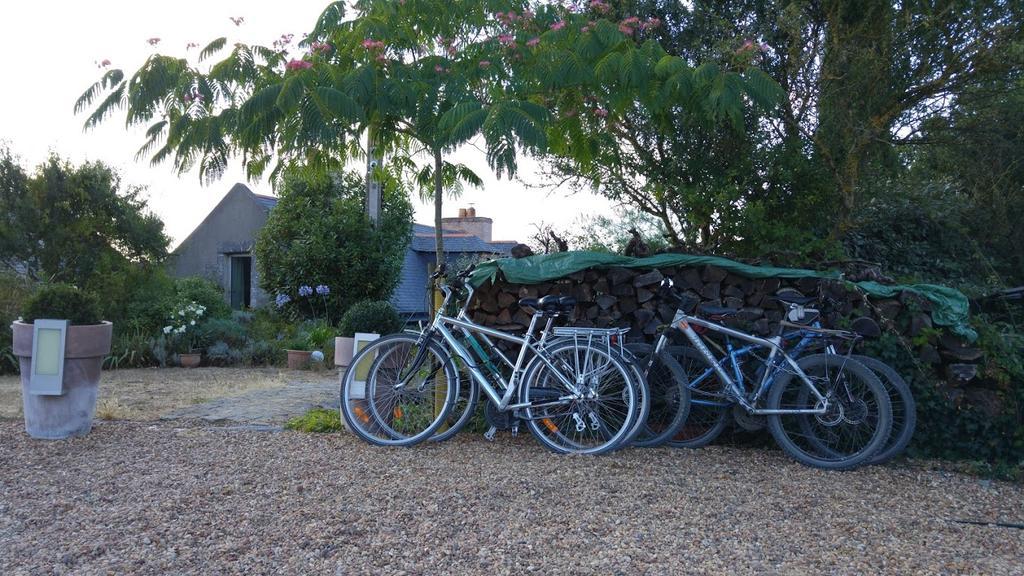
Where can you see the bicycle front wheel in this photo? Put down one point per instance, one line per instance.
(589, 407)
(854, 426)
(709, 405)
(398, 391)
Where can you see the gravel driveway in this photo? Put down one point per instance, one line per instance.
(137, 498)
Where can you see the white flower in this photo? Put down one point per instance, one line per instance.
(192, 323)
(181, 312)
(199, 312)
(167, 329)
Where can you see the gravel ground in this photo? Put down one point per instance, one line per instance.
(139, 498)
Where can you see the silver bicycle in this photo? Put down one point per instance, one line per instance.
(574, 396)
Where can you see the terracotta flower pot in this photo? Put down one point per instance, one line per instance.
(343, 348)
(190, 360)
(71, 413)
(298, 359)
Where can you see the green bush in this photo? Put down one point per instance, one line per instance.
(131, 348)
(14, 293)
(203, 292)
(316, 420)
(225, 330)
(319, 234)
(376, 317)
(63, 302)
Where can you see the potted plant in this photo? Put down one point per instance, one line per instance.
(182, 330)
(369, 317)
(309, 344)
(86, 344)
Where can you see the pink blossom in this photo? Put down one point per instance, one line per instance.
(599, 6)
(105, 63)
(507, 39)
(601, 112)
(558, 25)
(747, 45)
(533, 42)
(371, 44)
(631, 21)
(298, 65)
(651, 23)
(764, 47)
(321, 47)
(625, 29)
(438, 68)
(153, 41)
(381, 58)
(485, 63)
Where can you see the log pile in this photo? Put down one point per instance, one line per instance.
(628, 298)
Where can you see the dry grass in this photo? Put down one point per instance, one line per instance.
(148, 393)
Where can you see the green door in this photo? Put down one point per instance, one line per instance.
(241, 282)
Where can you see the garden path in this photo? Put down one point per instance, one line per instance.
(267, 408)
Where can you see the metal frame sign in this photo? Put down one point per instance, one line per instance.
(48, 340)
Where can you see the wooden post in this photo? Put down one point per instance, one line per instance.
(441, 382)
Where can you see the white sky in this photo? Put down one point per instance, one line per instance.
(51, 50)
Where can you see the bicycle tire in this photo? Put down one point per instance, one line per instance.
(552, 430)
(669, 390)
(814, 455)
(361, 424)
(706, 420)
(904, 408)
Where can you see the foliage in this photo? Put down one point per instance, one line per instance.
(131, 348)
(318, 234)
(316, 420)
(63, 302)
(375, 317)
(74, 224)
(203, 292)
(14, 293)
(950, 427)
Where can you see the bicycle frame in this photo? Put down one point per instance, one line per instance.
(527, 343)
(684, 323)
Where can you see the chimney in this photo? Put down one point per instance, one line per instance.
(467, 221)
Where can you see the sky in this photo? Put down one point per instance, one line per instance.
(52, 53)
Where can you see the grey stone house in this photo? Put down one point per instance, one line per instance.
(220, 249)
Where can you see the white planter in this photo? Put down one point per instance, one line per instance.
(343, 350)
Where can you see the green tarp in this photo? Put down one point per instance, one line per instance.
(949, 306)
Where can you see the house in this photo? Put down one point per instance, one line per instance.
(221, 249)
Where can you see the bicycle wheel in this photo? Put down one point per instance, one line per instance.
(594, 418)
(397, 392)
(670, 397)
(463, 409)
(709, 406)
(904, 408)
(853, 429)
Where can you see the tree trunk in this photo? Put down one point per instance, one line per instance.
(373, 187)
(438, 202)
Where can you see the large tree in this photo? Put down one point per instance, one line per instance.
(74, 224)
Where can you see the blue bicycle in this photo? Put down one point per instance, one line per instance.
(825, 409)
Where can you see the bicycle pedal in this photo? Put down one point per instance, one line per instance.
(491, 433)
(515, 430)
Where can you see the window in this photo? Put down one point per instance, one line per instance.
(241, 281)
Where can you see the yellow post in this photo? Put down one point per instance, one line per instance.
(440, 381)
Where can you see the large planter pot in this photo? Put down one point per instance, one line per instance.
(343, 347)
(190, 360)
(298, 359)
(71, 413)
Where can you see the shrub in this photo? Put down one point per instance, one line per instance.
(316, 420)
(203, 292)
(319, 234)
(63, 302)
(377, 317)
(14, 293)
(220, 353)
(227, 331)
(132, 348)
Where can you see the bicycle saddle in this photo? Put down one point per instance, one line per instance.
(721, 311)
(549, 303)
(791, 298)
